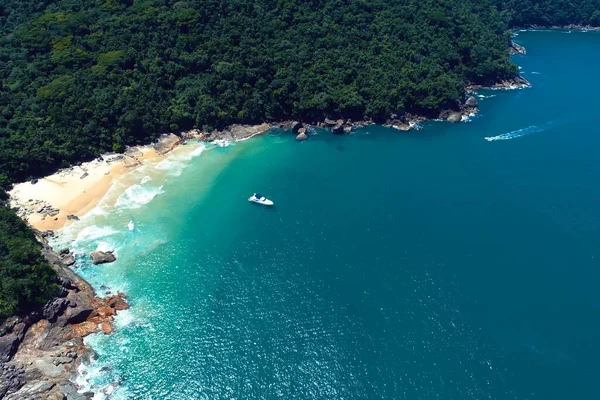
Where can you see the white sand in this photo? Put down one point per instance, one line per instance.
(76, 190)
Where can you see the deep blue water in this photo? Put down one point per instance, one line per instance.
(433, 264)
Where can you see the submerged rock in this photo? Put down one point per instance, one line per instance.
(301, 136)
(102, 257)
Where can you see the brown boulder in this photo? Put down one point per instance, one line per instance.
(106, 328)
(102, 257)
(85, 328)
(117, 302)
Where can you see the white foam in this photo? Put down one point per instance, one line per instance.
(196, 152)
(415, 125)
(520, 132)
(145, 179)
(468, 118)
(137, 195)
(222, 143)
(104, 246)
(91, 233)
(125, 318)
(176, 163)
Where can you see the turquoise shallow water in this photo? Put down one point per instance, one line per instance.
(435, 264)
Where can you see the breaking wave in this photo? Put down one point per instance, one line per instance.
(137, 195)
(92, 233)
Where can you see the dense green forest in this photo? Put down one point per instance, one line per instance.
(84, 77)
(26, 279)
(526, 13)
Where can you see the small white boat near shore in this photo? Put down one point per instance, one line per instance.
(131, 225)
(260, 199)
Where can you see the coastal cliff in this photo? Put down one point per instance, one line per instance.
(40, 352)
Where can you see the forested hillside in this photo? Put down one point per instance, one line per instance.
(26, 279)
(525, 13)
(82, 77)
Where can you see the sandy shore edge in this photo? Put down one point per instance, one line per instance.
(53, 201)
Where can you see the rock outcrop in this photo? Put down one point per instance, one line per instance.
(9, 343)
(516, 48)
(166, 143)
(516, 82)
(40, 352)
(472, 102)
(102, 257)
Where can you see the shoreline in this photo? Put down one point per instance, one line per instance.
(50, 203)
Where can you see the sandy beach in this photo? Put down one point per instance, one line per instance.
(55, 200)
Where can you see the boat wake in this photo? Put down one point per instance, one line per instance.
(521, 132)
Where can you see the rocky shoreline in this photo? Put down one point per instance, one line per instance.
(572, 27)
(40, 352)
(402, 121)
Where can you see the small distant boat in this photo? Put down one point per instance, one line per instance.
(131, 225)
(260, 199)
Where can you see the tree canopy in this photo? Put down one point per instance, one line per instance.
(26, 278)
(526, 13)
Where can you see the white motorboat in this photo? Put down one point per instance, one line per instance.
(131, 225)
(257, 198)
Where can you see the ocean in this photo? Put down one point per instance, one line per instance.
(460, 261)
